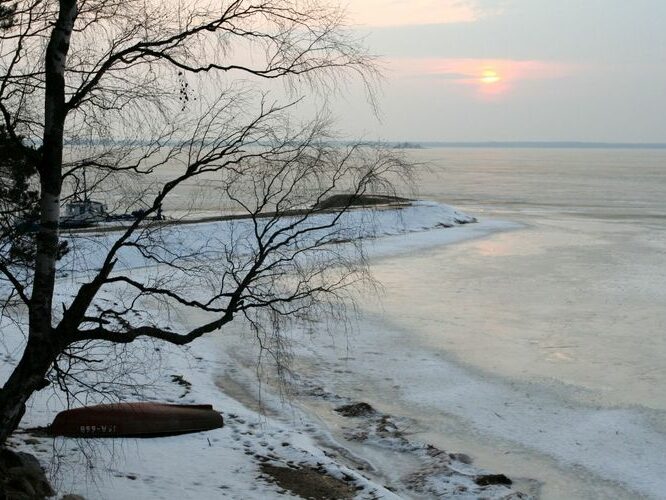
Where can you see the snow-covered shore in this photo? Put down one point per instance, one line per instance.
(210, 240)
(240, 460)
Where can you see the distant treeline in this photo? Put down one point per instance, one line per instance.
(546, 145)
(424, 144)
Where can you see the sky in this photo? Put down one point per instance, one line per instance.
(512, 70)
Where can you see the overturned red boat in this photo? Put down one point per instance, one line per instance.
(135, 420)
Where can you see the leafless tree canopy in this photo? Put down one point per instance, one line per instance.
(105, 96)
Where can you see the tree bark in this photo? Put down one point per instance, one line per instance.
(27, 377)
(50, 171)
(40, 353)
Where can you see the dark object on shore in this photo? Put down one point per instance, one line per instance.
(461, 457)
(311, 483)
(135, 420)
(83, 213)
(353, 200)
(407, 145)
(491, 479)
(21, 476)
(356, 410)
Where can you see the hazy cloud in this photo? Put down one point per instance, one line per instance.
(420, 12)
(471, 70)
(556, 70)
(484, 7)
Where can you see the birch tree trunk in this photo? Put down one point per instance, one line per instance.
(42, 346)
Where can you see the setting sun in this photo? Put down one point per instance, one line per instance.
(489, 77)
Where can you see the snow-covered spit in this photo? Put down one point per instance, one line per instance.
(210, 240)
(259, 431)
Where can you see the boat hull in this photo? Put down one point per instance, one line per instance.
(135, 420)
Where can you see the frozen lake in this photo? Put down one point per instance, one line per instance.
(538, 350)
(557, 328)
(537, 347)
(576, 297)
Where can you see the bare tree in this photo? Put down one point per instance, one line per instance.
(126, 90)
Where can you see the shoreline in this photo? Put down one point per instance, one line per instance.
(333, 367)
(257, 441)
(306, 396)
(532, 429)
(606, 450)
(375, 203)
